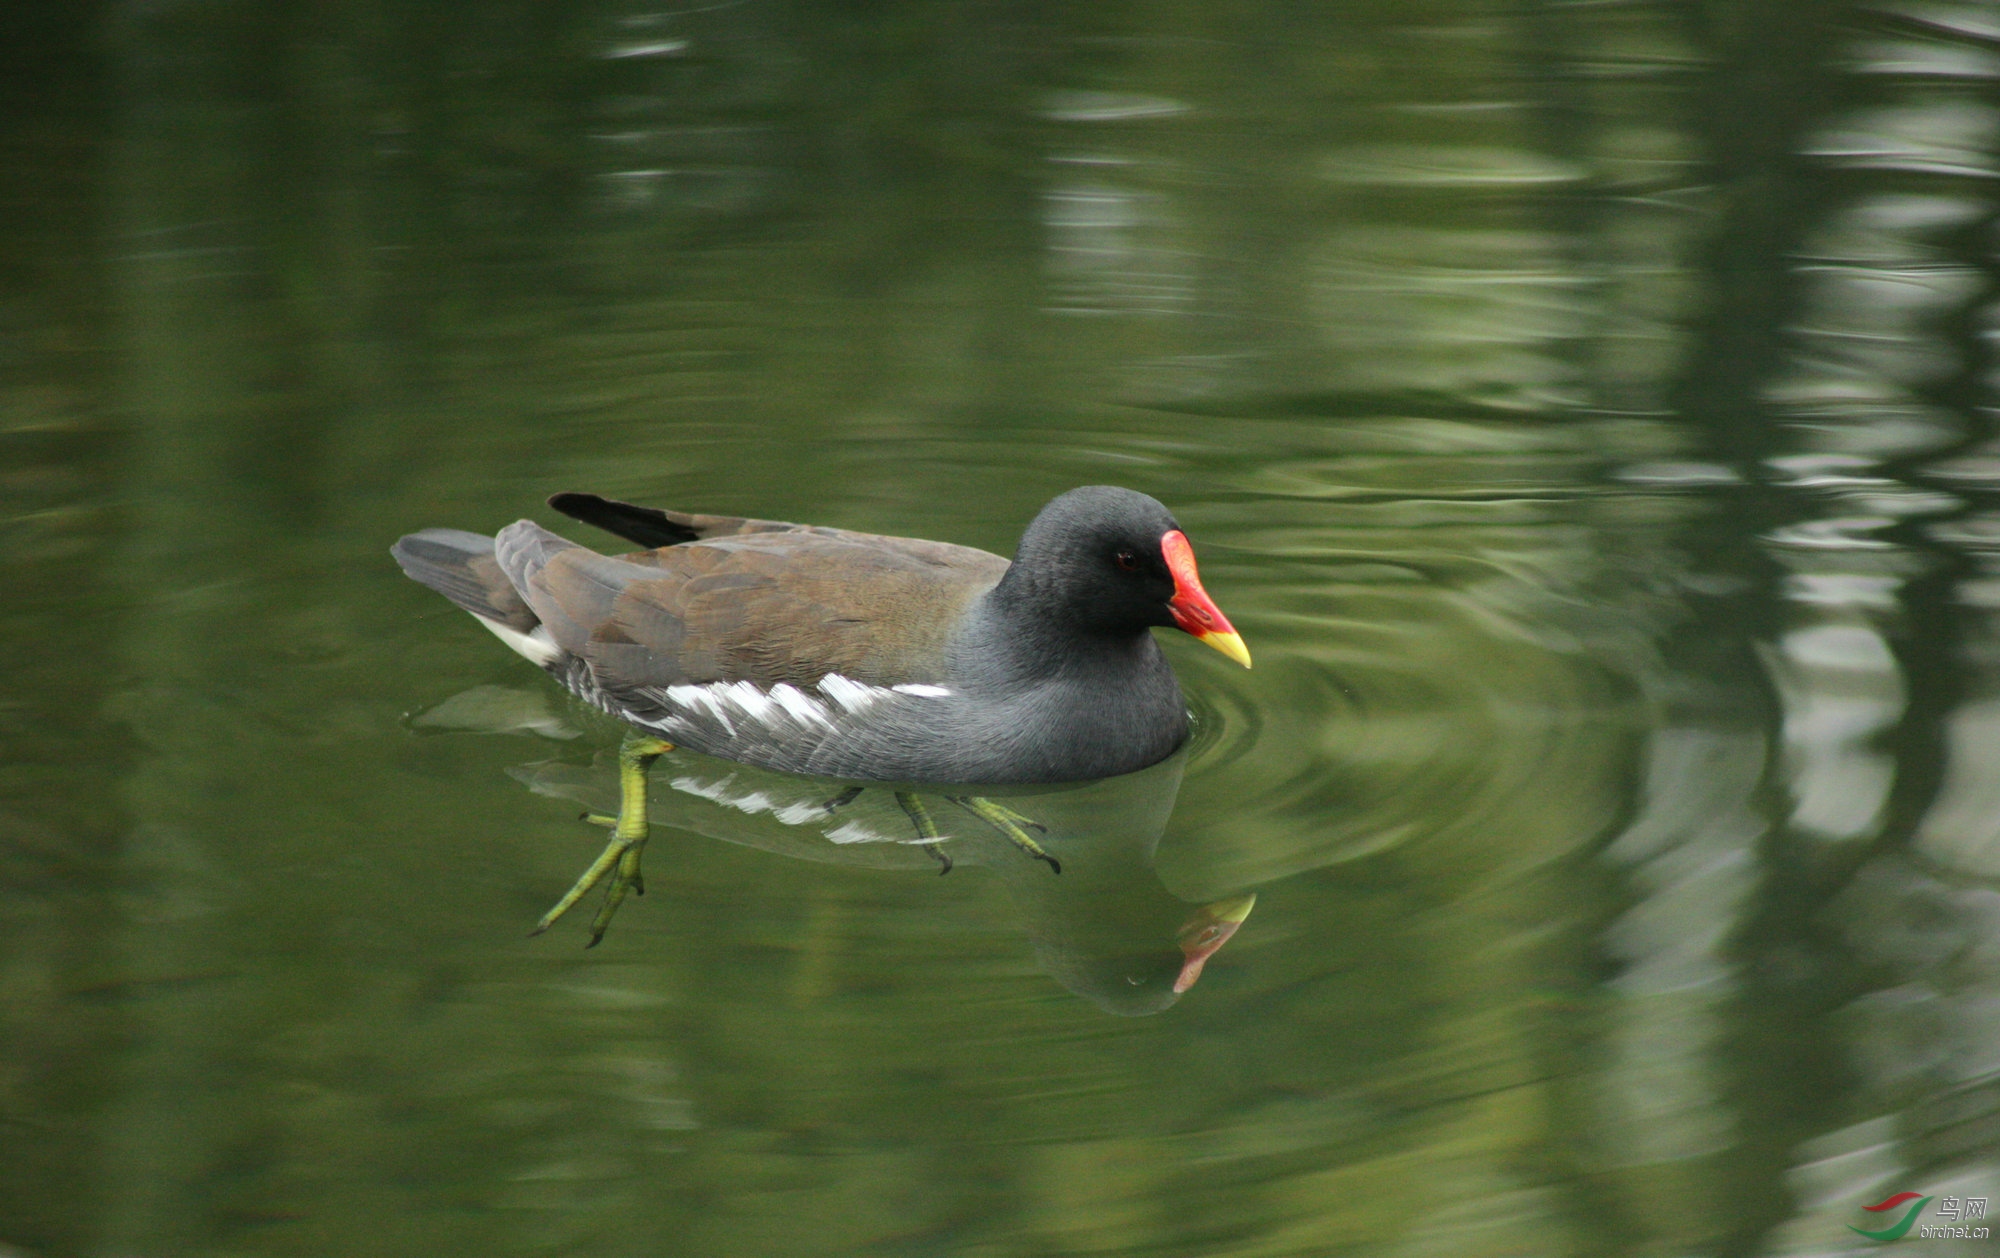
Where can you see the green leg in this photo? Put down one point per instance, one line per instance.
(927, 830)
(620, 859)
(1009, 823)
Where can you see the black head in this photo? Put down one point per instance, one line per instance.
(1094, 561)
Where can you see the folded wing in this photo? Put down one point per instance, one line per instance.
(776, 605)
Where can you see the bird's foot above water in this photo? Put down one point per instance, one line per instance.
(618, 865)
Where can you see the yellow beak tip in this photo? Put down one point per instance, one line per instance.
(1230, 644)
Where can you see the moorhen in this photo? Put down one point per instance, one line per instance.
(851, 655)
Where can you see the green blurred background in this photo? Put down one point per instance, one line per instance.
(1584, 409)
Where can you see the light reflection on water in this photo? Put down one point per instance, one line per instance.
(1607, 503)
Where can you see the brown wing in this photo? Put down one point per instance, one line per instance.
(785, 604)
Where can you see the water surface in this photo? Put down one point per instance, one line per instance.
(1584, 412)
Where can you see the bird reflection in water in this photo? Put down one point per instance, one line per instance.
(1107, 929)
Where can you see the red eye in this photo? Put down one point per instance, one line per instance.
(1127, 560)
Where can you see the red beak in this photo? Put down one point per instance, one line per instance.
(1193, 610)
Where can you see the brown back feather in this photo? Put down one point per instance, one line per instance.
(767, 606)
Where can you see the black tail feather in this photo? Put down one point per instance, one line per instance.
(648, 526)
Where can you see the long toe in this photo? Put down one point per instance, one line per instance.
(599, 868)
(624, 879)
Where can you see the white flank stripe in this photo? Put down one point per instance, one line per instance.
(782, 704)
(536, 644)
(800, 704)
(696, 698)
(753, 702)
(852, 696)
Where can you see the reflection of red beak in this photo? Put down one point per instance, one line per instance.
(1193, 610)
(1207, 931)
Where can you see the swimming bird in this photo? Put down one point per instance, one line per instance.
(845, 654)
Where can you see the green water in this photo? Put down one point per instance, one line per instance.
(1585, 412)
